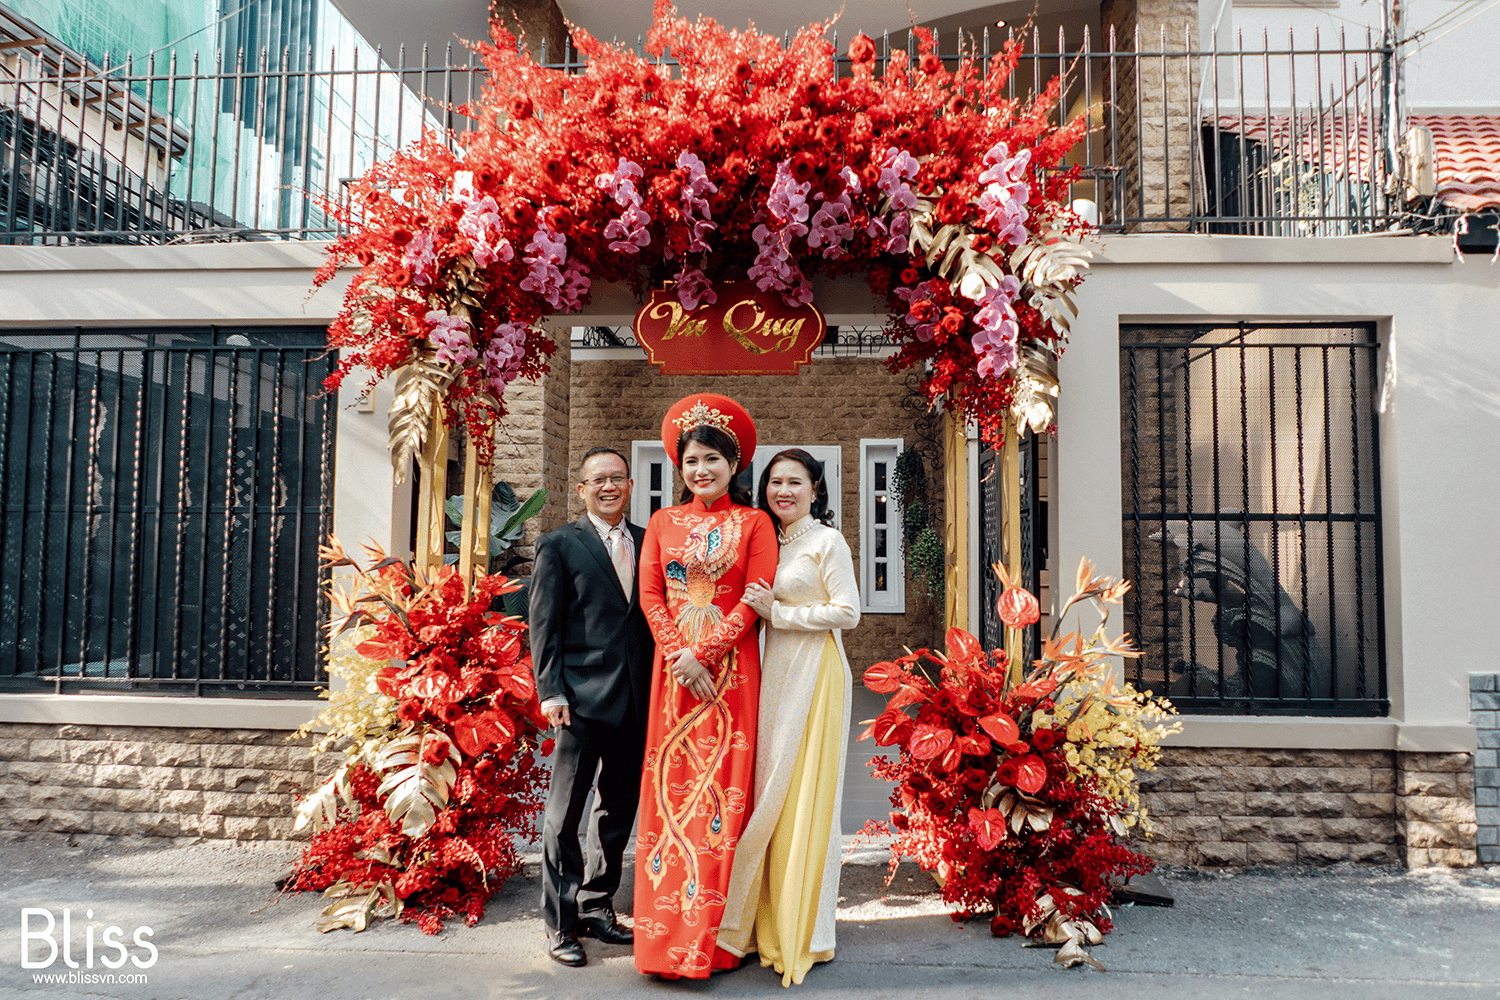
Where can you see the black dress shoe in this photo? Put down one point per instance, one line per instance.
(563, 946)
(605, 926)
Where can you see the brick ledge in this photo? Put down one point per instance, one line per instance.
(138, 710)
(1317, 733)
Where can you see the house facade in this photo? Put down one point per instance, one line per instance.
(1275, 419)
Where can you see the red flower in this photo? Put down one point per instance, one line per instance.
(910, 276)
(927, 741)
(1018, 608)
(931, 64)
(981, 242)
(1045, 739)
(399, 278)
(365, 257)
(924, 311)
(410, 711)
(989, 827)
(962, 646)
(952, 322)
(742, 71)
(883, 677)
(1001, 727)
(401, 237)
(1007, 773)
(861, 49)
(520, 107)
(1031, 774)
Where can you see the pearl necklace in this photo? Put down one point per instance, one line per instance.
(807, 522)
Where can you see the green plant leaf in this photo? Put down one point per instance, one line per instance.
(513, 528)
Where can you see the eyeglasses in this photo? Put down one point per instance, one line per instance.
(603, 481)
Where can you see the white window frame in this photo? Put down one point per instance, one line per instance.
(643, 455)
(891, 601)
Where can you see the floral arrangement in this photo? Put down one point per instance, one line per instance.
(438, 720)
(1017, 788)
(741, 157)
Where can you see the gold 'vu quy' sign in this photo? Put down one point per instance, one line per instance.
(746, 330)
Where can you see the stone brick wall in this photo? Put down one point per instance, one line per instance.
(833, 401)
(1435, 809)
(1237, 807)
(73, 783)
(531, 450)
(1154, 115)
(1484, 708)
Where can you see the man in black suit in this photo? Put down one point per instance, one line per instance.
(591, 650)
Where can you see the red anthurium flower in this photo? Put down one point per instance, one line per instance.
(1001, 727)
(1018, 608)
(883, 677)
(974, 746)
(950, 758)
(436, 687)
(516, 680)
(475, 734)
(988, 825)
(380, 649)
(891, 728)
(1039, 688)
(1031, 774)
(927, 741)
(962, 646)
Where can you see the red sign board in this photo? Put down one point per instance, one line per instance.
(747, 330)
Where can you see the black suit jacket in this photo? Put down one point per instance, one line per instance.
(589, 640)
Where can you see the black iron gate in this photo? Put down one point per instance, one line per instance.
(1252, 516)
(162, 497)
(1033, 524)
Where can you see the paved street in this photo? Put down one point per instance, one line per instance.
(221, 931)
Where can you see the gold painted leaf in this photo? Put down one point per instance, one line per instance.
(321, 808)
(419, 391)
(416, 790)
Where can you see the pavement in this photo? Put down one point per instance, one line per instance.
(219, 929)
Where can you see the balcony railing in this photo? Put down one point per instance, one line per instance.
(1259, 140)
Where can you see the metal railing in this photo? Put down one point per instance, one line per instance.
(1251, 481)
(1260, 139)
(162, 498)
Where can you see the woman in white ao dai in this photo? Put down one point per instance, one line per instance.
(783, 892)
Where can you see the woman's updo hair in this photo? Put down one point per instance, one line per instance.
(819, 511)
(711, 437)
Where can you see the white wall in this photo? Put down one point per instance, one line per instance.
(1440, 461)
(1446, 69)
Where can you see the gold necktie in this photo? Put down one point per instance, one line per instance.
(620, 557)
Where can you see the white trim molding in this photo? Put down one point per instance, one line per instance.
(881, 557)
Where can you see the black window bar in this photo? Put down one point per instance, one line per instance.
(162, 496)
(1252, 517)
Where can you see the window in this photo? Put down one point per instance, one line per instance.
(1252, 517)
(881, 567)
(653, 480)
(165, 492)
